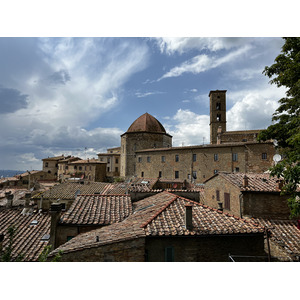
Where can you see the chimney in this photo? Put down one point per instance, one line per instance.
(9, 197)
(27, 199)
(1, 241)
(189, 216)
(55, 212)
(245, 181)
(279, 184)
(220, 206)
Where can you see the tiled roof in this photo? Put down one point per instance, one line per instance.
(68, 190)
(163, 215)
(27, 240)
(87, 161)
(257, 182)
(284, 233)
(69, 159)
(56, 158)
(98, 210)
(142, 184)
(18, 199)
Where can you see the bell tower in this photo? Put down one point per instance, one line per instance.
(217, 101)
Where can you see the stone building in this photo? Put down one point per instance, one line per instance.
(50, 165)
(146, 149)
(146, 132)
(112, 159)
(63, 167)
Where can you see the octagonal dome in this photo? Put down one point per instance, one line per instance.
(146, 123)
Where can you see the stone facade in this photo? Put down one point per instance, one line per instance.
(50, 165)
(113, 161)
(198, 163)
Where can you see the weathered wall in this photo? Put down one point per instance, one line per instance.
(265, 205)
(205, 249)
(127, 251)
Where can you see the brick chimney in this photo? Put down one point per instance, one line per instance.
(9, 197)
(188, 217)
(55, 212)
(220, 206)
(245, 181)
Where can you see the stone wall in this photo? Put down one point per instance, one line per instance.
(202, 160)
(206, 248)
(127, 251)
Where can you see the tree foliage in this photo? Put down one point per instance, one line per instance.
(43, 257)
(286, 128)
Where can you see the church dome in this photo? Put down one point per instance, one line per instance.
(146, 123)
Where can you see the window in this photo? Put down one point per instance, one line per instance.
(169, 253)
(80, 168)
(176, 157)
(67, 167)
(142, 174)
(46, 165)
(159, 174)
(108, 160)
(75, 167)
(107, 169)
(216, 157)
(163, 159)
(194, 157)
(264, 156)
(218, 195)
(117, 169)
(227, 201)
(216, 171)
(148, 159)
(237, 169)
(139, 159)
(234, 156)
(154, 145)
(176, 174)
(194, 175)
(101, 159)
(117, 161)
(218, 117)
(218, 106)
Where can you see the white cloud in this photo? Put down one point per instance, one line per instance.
(203, 62)
(189, 129)
(146, 94)
(180, 45)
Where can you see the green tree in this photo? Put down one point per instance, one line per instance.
(286, 128)
(43, 257)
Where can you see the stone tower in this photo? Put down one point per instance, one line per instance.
(217, 101)
(146, 132)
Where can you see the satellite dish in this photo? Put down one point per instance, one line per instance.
(277, 158)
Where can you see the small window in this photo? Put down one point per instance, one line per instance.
(216, 157)
(218, 195)
(108, 160)
(194, 157)
(163, 159)
(46, 165)
(139, 159)
(101, 159)
(148, 159)
(116, 169)
(176, 174)
(169, 254)
(176, 157)
(142, 174)
(237, 169)
(159, 174)
(108, 169)
(67, 167)
(234, 156)
(218, 117)
(117, 160)
(216, 171)
(194, 175)
(154, 145)
(264, 156)
(227, 201)
(218, 106)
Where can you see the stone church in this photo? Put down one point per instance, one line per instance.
(146, 149)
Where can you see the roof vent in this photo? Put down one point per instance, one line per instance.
(34, 222)
(46, 237)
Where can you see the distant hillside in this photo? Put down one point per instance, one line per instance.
(10, 173)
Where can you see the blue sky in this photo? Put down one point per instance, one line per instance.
(60, 95)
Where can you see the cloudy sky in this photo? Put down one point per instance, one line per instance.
(62, 95)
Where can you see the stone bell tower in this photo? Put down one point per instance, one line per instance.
(217, 101)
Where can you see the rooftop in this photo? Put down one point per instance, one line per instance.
(28, 238)
(163, 215)
(98, 210)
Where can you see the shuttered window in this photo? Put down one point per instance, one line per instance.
(227, 201)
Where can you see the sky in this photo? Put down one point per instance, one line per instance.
(76, 96)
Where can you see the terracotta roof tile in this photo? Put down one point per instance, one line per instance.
(98, 210)
(28, 237)
(163, 215)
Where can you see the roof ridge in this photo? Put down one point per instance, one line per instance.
(159, 211)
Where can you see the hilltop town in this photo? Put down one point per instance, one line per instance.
(149, 201)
